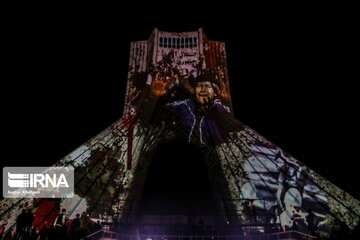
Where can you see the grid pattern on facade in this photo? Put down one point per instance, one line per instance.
(170, 42)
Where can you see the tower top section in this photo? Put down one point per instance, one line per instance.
(175, 58)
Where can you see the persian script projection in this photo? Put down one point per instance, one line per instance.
(178, 92)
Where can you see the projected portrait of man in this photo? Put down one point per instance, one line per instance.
(204, 92)
(204, 118)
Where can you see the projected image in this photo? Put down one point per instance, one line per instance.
(203, 117)
(286, 186)
(178, 91)
(274, 188)
(192, 98)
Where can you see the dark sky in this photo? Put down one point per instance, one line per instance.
(292, 79)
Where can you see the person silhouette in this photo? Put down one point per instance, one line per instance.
(20, 224)
(60, 224)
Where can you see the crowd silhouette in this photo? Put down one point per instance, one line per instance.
(62, 228)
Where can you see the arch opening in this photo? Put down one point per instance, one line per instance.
(177, 188)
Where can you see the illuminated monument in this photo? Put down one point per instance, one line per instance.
(178, 91)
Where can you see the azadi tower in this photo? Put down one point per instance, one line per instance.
(178, 101)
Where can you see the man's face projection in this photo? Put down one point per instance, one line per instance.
(204, 92)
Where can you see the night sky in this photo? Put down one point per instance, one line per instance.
(292, 80)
